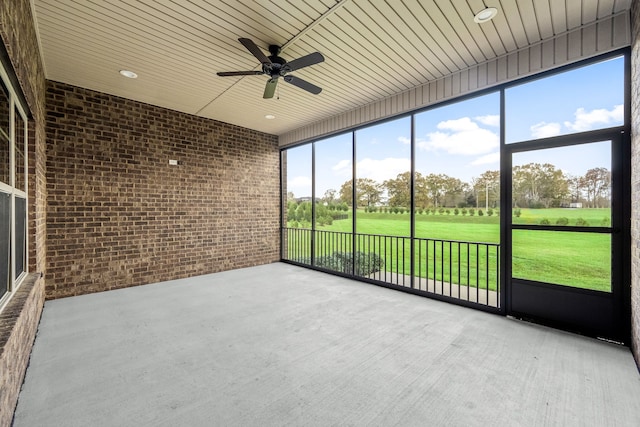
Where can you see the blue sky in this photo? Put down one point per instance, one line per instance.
(462, 139)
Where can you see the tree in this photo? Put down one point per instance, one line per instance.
(329, 196)
(539, 185)
(596, 183)
(575, 187)
(368, 192)
(399, 189)
(440, 190)
(453, 190)
(346, 193)
(487, 189)
(434, 187)
(422, 198)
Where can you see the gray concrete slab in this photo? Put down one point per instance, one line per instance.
(279, 345)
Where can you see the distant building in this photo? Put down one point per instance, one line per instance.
(307, 199)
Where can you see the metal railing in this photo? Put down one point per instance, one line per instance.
(453, 270)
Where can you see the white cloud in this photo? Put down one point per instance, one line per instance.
(380, 170)
(342, 165)
(404, 140)
(487, 159)
(586, 120)
(545, 130)
(491, 120)
(461, 136)
(299, 182)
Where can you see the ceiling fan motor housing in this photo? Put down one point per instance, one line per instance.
(276, 68)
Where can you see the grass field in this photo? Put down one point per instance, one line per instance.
(567, 258)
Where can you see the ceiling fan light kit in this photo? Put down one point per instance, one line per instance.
(275, 67)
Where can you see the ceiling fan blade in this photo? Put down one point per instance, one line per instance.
(239, 73)
(255, 50)
(305, 61)
(303, 84)
(270, 88)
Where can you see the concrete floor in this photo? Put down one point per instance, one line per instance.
(279, 345)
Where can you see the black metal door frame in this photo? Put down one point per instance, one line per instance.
(594, 313)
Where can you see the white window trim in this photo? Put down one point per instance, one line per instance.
(15, 108)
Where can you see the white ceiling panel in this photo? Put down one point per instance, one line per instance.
(373, 49)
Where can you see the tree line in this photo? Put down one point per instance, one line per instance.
(535, 185)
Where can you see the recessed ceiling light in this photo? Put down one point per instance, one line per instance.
(129, 74)
(485, 15)
(269, 117)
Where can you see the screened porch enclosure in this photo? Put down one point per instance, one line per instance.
(465, 200)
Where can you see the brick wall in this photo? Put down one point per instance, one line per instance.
(18, 324)
(119, 215)
(19, 319)
(635, 181)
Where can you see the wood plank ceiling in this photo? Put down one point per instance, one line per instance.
(373, 49)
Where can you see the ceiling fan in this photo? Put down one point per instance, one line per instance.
(276, 67)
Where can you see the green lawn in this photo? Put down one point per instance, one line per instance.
(594, 217)
(572, 259)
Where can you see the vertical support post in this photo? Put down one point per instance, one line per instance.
(283, 233)
(313, 203)
(413, 203)
(354, 203)
(504, 283)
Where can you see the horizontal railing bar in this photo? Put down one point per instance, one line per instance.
(425, 239)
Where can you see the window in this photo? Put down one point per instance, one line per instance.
(333, 190)
(574, 101)
(13, 190)
(297, 183)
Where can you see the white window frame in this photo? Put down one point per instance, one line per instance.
(15, 107)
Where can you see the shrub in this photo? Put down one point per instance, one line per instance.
(325, 220)
(472, 211)
(581, 222)
(441, 211)
(489, 212)
(480, 213)
(544, 221)
(366, 263)
(456, 211)
(401, 210)
(517, 212)
(421, 211)
(606, 222)
(464, 211)
(448, 211)
(562, 221)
